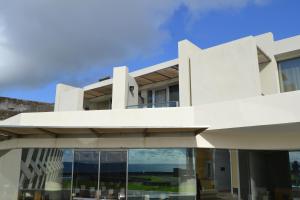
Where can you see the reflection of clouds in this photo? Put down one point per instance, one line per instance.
(138, 156)
(157, 156)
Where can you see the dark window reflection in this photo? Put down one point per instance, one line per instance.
(268, 174)
(113, 170)
(289, 74)
(213, 174)
(294, 163)
(174, 94)
(86, 169)
(149, 98)
(46, 174)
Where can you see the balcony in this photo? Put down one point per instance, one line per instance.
(155, 105)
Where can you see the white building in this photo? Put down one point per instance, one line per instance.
(226, 118)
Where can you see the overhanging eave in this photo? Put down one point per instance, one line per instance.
(7, 132)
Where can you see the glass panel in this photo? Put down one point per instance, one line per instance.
(160, 98)
(294, 163)
(289, 75)
(85, 175)
(113, 170)
(149, 98)
(161, 174)
(46, 174)
(213, 173)
(174, 94)
(267, 175)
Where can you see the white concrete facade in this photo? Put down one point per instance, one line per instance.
(222, 87)
(231, 92)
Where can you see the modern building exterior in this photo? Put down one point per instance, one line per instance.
(216, 123)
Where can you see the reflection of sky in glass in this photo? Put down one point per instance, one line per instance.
(86, 156)
(145, 156)
(157, 156)
(68, 155)
(294, 156)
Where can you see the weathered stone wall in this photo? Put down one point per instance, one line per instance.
(10, 107)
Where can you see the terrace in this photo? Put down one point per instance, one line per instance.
(155, 86)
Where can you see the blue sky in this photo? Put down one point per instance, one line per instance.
(205, 27)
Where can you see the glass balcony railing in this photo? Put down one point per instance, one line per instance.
(155, 105)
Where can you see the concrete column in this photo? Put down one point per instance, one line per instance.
(244, 172)
(185, 50)
(68, 98)
(10, 162)
(120, 88)
(235, 175)
(125, 89)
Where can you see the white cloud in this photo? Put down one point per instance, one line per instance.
(41, 40)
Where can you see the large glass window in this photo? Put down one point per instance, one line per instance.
(113, 172)
(160, 98)
(149, 99)
(85, 178)
(163, 97)
(269, 174)
(174, 93)
(213, 174)
(46, 174)
(294, 165)
(289, 74)
(64, 174)
(161, 174)
(99, 174)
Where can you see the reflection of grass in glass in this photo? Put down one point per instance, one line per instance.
(138, 183)
(66, 183)
(140, 186)
(152, 178)
(161, 183)
(295, 180)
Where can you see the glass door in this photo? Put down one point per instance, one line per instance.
(160, 98)
(85, 174)
(113, 172)
(99, 175)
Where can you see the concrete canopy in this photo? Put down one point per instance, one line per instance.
(21, 131)
(104, 123)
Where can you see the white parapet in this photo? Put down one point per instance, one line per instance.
(125, 89)
(68, 98)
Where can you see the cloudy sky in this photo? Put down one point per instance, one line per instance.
(43, 42)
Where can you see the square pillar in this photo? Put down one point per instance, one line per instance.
(68, 98)
(125, 89)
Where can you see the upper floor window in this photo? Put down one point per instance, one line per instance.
(174, 93)
(163, 97)
(289, 74)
